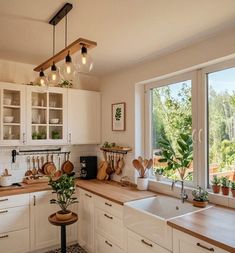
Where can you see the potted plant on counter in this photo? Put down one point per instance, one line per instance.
(215, 184)
(159, 172)
(200, 197)
(64, 187)
(233, 188)
(225, 183)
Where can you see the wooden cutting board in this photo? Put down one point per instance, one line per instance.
(12, 187)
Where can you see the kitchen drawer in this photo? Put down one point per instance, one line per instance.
(139, 244)
(102, 245)
(109, 226)
(15, 242)
(13, 219)
(109, 206)
(86, 194)
(14, 200)
(184, 243)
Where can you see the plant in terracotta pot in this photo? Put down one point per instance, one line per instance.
(233, 188)
(159, 172)
(64, 187)
(225, 183)
(215, 184)
(200, 197)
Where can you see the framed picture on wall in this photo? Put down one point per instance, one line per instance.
(119, 116)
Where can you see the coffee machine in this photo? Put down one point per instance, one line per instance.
(88, 167)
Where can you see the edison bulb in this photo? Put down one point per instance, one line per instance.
(68, 69)
(85, 62)
(54, 75)
(41, 80)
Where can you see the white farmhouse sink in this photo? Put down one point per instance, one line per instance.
(148, 217)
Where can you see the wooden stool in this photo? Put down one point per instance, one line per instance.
(52, 219)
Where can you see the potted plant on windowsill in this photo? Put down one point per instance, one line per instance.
(200, 197)
(233, 188)
(159, 172)
(64, 187)
(225, 183)
(215, 184)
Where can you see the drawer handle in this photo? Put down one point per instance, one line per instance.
(107, 216)
(108, 243)
(1, 200)
(204, 247)
(4, 236)
(146, 243)
(89, 196)
(5, 211)
(107, 204)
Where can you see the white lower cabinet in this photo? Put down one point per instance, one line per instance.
(103, 245)
(184, 243)
(138, 244)
(14, 224)
(86, 221)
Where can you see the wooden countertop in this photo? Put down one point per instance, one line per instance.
(113, 191)
(27, 188)
(215, 225)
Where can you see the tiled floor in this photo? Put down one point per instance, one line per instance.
(71, 249)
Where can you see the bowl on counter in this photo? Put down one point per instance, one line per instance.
(6, 180)
(54, 121)
(8, 119)
(7, 101)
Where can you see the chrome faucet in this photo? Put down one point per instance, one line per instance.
(183, 195)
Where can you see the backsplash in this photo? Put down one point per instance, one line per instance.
(19, 168)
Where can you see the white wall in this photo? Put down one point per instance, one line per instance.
(120, 86)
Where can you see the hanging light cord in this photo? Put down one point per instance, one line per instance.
(53, 40)
(66, 32)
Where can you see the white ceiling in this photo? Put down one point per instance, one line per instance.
(127, 31)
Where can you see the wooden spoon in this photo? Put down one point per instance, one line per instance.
(28, 172)
(150, 164)
(34, 170)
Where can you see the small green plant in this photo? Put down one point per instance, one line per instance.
(34, 135)
(158, 171)
(118, 114)
(55, 134)
(215, 180)
(200, 194)
(65, 84)
(225, 182)
(233, 185)
(64, 187)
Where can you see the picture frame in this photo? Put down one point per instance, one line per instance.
(119, 116)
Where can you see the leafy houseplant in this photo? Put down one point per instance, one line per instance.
(233, 188)
(64, 187)
(159, 172)
(200, 197)
(225, 182)
(216, 184)
(179, 159)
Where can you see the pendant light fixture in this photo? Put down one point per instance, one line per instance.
(67, 69)
(85, 63)
(41, 80)
(54, 75)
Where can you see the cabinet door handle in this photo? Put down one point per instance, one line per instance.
(107, 216)
(4, 236)
(204, 247)
(89, 196)
(108, 243)
(34, 200)
(24, 138)
(200, 135)
(107, 204)
(5, 211)
(146, 243)
(1, 200)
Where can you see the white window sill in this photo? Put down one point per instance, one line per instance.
(165, 188)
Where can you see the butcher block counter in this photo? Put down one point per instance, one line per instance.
(215, 225)
(113, 191)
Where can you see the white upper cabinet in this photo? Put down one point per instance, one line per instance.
(12, 114)
(47, 115)
(83, 117)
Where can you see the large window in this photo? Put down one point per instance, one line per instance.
(221, 123)
(200, 105)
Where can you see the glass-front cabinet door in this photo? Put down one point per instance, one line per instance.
(12, 114)
(47, 117)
